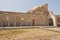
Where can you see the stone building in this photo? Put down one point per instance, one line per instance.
(57, 20)
(37, 16)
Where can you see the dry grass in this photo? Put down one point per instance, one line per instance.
(28, 34)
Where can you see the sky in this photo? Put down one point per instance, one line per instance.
(25, 5)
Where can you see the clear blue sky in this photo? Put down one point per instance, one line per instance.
(25, 5)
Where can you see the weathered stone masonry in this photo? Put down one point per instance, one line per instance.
(38, 16)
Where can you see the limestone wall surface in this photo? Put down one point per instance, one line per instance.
(38, 17)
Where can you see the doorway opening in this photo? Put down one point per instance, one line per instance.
(33, 22)
(50, 22)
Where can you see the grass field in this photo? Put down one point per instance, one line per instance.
(29, 34)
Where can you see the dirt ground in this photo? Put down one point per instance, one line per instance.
(29, 34)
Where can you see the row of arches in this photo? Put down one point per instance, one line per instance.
(10, 24)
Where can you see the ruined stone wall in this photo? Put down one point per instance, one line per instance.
(57, 20)
(37, 17)
(41, 15)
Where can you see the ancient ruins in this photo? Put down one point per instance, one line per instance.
(37, 16)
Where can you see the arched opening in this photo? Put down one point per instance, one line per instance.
(33, 22)
(50, 22)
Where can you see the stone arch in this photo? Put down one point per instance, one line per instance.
(53, 18)
(33, 22)
(50, 22)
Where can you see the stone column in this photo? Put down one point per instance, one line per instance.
(14, 23)
(8, 24)
(54, 20)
